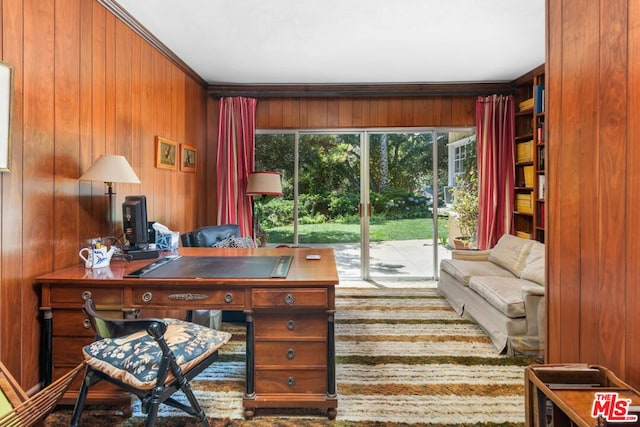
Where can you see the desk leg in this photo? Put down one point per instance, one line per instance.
(331, 354)
(250, 390)
(46, 352)
(331, 362)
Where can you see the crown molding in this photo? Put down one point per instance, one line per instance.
(359, 90)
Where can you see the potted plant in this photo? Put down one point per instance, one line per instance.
(465, 206)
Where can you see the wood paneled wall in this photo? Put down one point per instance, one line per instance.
(593, 89)
(364, 112)
(85, 84)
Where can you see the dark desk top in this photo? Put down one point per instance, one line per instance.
(302, 271)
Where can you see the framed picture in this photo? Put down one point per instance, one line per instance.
(6, 91)
(166, 153)
(188, 158)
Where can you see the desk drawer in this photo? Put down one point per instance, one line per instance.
(189, 298)
(307, 381)
(287, 354)
(78, 294)
(290, 324)
(73, 323)
(67, 351)
(289, 297)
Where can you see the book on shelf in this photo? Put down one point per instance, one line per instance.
(540, 133)
(524, 151)
(541, 216)
(527, 104)
(538, 92)
(541, 184)
(528, 176)
(524, 203)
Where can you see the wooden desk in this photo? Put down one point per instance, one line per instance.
(290, 350)
(563, 395)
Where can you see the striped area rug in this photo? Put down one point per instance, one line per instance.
(404, 358)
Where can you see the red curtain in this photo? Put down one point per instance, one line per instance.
(495, 123)
(235, 161)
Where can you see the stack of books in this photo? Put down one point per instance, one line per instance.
(527, 104)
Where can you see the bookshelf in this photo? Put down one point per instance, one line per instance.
(530, 177)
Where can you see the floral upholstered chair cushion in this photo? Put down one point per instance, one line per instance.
(134, 359)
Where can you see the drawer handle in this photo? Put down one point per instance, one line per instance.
(289, 299)
(291, 354)
(147, 296)
(291, 381)
(228, 298)
(291, 325)
(86, 295)
(86, 323)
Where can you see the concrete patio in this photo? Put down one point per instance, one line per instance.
(398, 260)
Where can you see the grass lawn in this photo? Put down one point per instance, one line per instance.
(404, 229)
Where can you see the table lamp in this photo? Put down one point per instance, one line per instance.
(110, 168)
(262, 183)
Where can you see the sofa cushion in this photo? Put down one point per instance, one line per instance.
(502, 293)
(511, 253)
(463, 270)
(534, 266)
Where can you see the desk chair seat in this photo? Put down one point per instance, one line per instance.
(151, 358)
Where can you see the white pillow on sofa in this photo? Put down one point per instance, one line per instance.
(511, 253)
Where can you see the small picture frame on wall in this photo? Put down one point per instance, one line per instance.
(188, 158)
(166, 153)
(6, 92)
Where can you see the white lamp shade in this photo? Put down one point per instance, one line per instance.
(111, 168)
(264, 183)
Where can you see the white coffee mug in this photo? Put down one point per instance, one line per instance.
(96, 257)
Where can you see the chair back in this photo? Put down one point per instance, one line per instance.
(208, 236)
(114, 328)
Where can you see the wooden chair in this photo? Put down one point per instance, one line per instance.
(150, 358)
(19, 409)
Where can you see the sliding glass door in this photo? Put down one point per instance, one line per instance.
(377, 197)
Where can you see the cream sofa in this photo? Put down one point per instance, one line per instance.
(502, 290)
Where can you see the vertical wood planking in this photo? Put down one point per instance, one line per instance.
(553, 92)
(573, 133)
(593, 180)
(80, 91)
(38, 165)
(612, 165)
(67, 129)
(586, 192)
(97, 205)
(322, 113)
(632, 291)
(12, 200)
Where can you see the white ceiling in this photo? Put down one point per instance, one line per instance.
(349, 41)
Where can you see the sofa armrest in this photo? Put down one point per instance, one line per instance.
(533, 297)
(470, 255)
